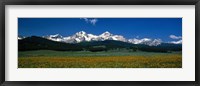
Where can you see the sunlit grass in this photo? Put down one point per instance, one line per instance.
(140, 61)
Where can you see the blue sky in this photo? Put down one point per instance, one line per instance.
(153, 28)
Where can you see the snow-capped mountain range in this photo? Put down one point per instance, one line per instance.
(84, 37)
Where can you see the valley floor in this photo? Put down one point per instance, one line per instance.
(109, 59)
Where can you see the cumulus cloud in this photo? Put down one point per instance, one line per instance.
(175, 37)
(91, 21)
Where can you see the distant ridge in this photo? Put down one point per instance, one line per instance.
(82, 36)
(39, 43)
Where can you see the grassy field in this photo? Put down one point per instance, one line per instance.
(110, 59)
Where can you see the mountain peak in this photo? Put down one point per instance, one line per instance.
(20, 37)
(56, 36)
(81, 33)
(106, 34)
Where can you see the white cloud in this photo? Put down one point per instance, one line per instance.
(175, 37)
(91, 21)
(86, 20)
(176, 42)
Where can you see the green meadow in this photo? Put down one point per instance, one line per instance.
(103, 59)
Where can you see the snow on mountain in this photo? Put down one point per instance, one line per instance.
(139, 41)
(56, 37)
(108, 36)
(20, 37)
(146, 41)
(155, 42)
(83, 36)
(105, 35)
(80, 34)
(80, 37)
(118, 38)
(176, 42)
(93, 37)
